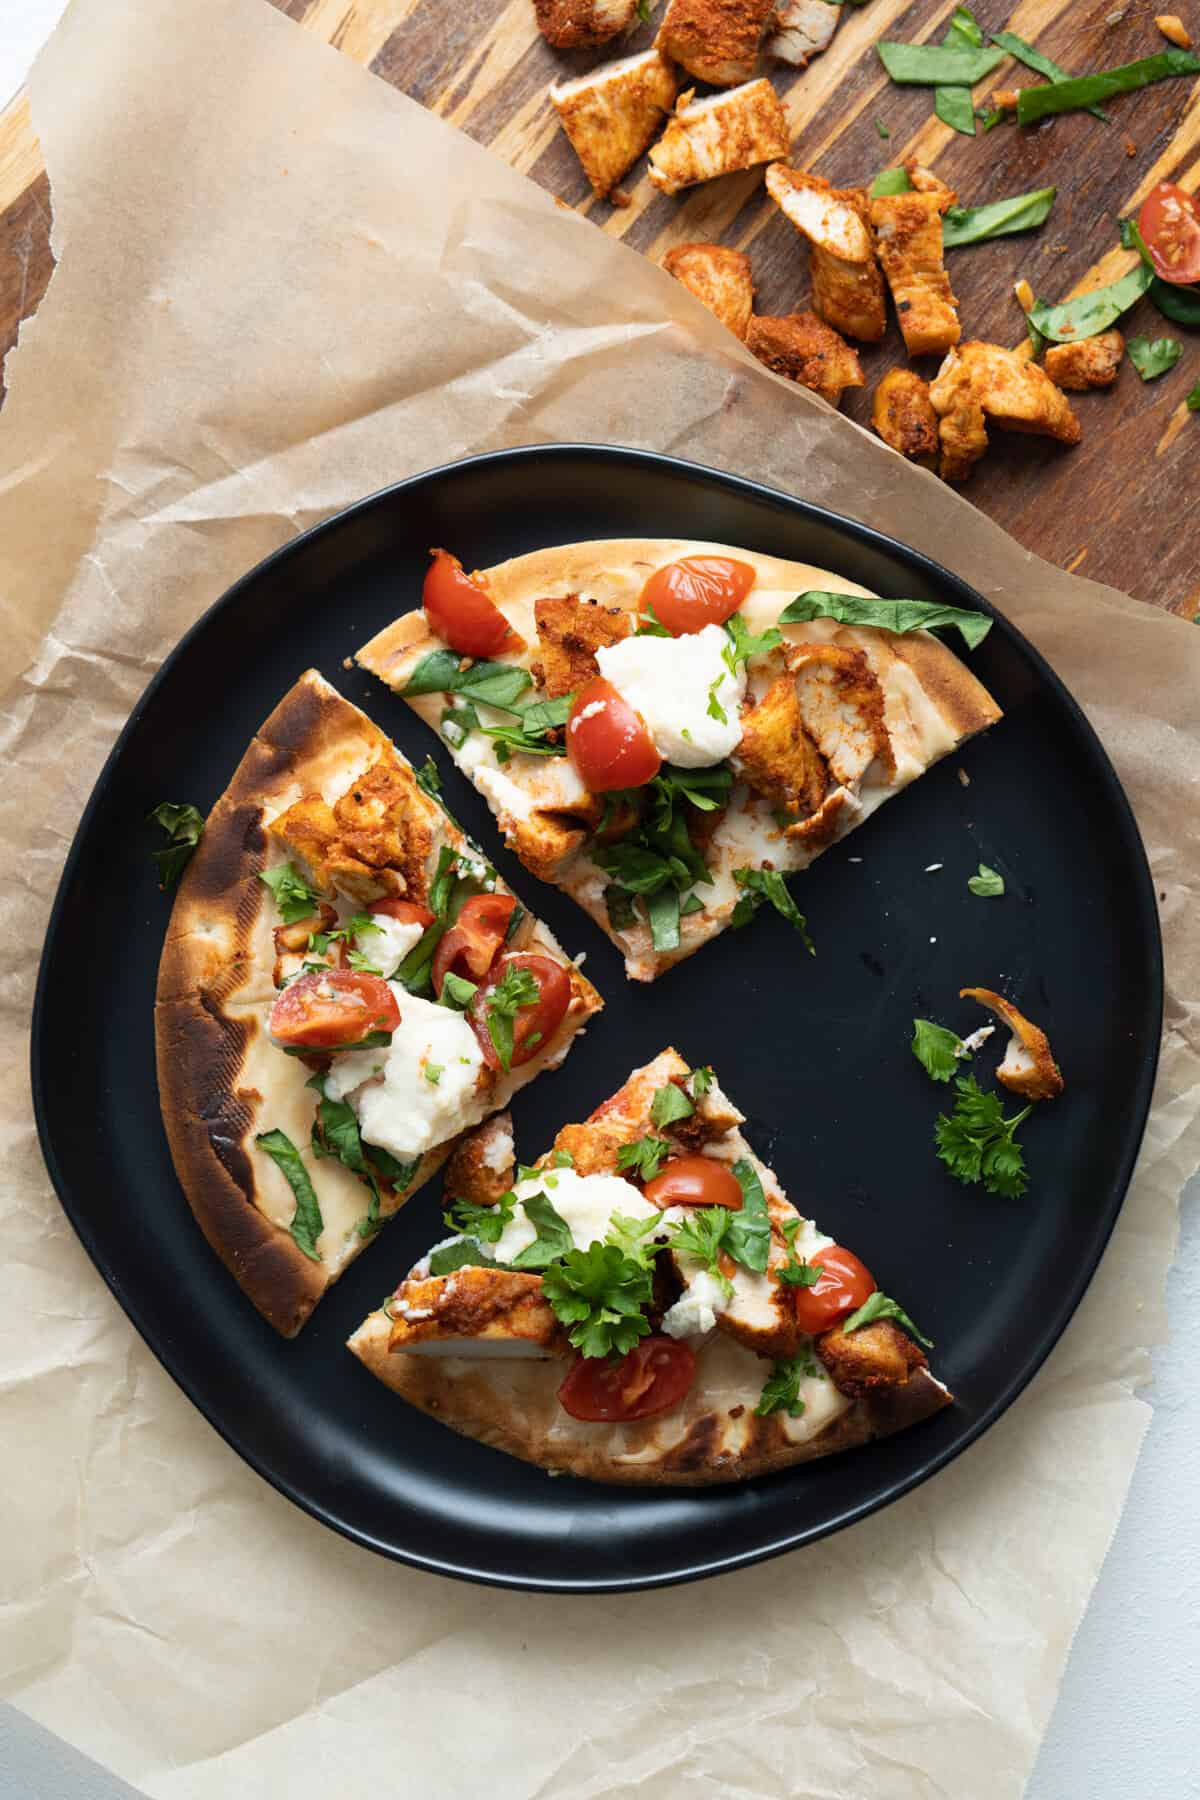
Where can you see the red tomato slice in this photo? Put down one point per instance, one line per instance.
(840, 1289)
(534, 1025)
(407, 911)
(608, 741)
(1170, 226)
(653, 1377)
(470, 945)
(694, 1181)
(459, 610)
(699, 591)
(327, 1010)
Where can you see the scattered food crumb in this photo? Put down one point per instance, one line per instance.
(1024, 294)
(347, 662)
(1130, 147)
(580, 959)
(931, 868)
(1114, 18)
(854, 859)
(975, 1041)
(620, 198)
(1174, 29)
(933, 940)
(964, 778)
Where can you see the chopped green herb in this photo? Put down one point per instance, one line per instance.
(335, 1133)
(669, 1105)
(531, 733)
(599, 1293)
(702, 1080)
(1089, 314)
(184, 826)
(1033, 58)
(643, 11)
(1090, 90)
(415, 972)
(781, 1390)
(466, 1254)
(878, 1306)
(701, 1234)
(1153, 359)
(618, 904)
(397, 1174)
(938, 1049)
(715, 709)
(483, 1222)
(662, 915)
(307, 1223)
(744, 643)
(758, 885)
(294, 898)
(457, 991)
(632, 1238)
(428, 779)
(972, 224)
(748, 1238)
(887, 615)
(487, 683)
(644, 1157)
(955, 107)
(517, 990)
(798, 1273)
(553, 1235)
(977, 1143)
(433, 1072)
(1193, 400)
(882, 129)
(649, 624)
(1179, 304)
(988, 884)
(357, 959)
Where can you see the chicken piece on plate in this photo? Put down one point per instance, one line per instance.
(902, 413)
(806, 350)
(846, 282)
(875, 1356)
(801, 29)
(706, 138)
(714, 40)
(482, 1162)
(841, 704)
(775, 754)
(1029, 1068)
(1017, 395)
(612, 114)
(908, 235)
(566, 24)
(926, 182)
(720, 278)
(1091, 363)
(570, 631)
(962, 438)
(480, 1312)
(374, 840)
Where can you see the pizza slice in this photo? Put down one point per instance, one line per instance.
(346, 987)
(665, 729)
(645, 1305)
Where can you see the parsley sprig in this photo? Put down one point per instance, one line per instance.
(644, 1157)
(758, 885)
(599, 1294)
(781, 1389)
(977, 1143)
(293, 896)
(517, 990)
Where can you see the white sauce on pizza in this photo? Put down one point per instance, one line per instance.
(585, 1203)
(387, 946)
(684, 690)
(419, 1090)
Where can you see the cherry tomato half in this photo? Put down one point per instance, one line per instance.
(653, 1377)
(608, 740)
(694, 1181)
(459, 610)
(470, 945)
(329, 1009)
(699, 591)
(408, 912)
(1170, 226)
(842, 1287)
(532, 1026)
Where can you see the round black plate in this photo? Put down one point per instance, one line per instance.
(814, 1049)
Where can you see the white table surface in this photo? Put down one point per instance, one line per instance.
(1127, 1723)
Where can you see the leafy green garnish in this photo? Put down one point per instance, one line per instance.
(1193, 400)
(1033, 58)
(466, 1254)
(293, 896)
(1089, 90)
(1180, 304)
(781, 1390)
(662, 916)
(415, 972)
(1152, 359)
(669, 1104)
(890, 181)
(433, 1072)
(938, 1049)
(531, 733)
(553, 1235)
(1087, 315)
(887, 615)
(184, 826)
(988, 884)
(633, 1239)
(937, 65)
(954, 105)
(748, 1237)
(882, 129)
(483, 1222)
(618, 903)
(517, 990)
(758, 885)
(649, 624)
(599, 1293)
(428, 779)
(644, 1157)
(977, 1143)
(335, 1133)
(487, 683)
(743, 644)
(457, 991)
(643, 11)
(878, 1306)
(397, 1174)
(701, 1080)
(972, 224)
(701, 1234)
(658, 857)
(307, 1223)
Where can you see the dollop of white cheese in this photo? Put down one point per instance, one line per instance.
(387, 946)
(697, 1309)
(680, 686)
(585, 1203)
(422, 1088)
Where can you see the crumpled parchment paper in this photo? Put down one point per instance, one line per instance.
(282, 285)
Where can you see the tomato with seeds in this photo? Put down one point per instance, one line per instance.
(535, 1022)
(694, 1181)
(332, 1009)
(470, 946)
(652, 1378)
(1170, 226)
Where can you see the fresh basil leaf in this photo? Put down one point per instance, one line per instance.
(458, 722)
(307, 1224)
(374, 1040)
(988, 884)
(1090, 90)
(434, 674)
(618, 903)
(1089, 314)
(457, 991)
(972, 224)
(781, 1390)
(965, 28)
(669, 1105)
(878, 1306)
(553, 1235)
(706, 789)
(899, 616)
(335, 1133)
(398, 1175)
(1153, 359)
(184, 826)
(690, 903)
(748, 1238)
(644, 1157)
(415, 972)
(428, 779)
(1193, 400)
(937, 65)
(955, 107)
(466, 1254)
(1180, 304)
(487, 683)
(768, 884)
(662, 913)
(637, 870)
(1033, 58)
(890, 181)
(293, 896)
(937, 1049)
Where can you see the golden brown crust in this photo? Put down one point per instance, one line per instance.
(570, 631)
(495, 1305)
(1013, 393)
(902, 413)
(847, 284)
(714, 40)
(733, 130)
(570, 24)
(481, 1164)
(802, 348)
(720, 278)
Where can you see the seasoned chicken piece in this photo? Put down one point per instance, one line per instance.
(715, 1116)
(908, 234)
(806, 350)
(837, 814)
(902, 413)
(775, 754)
(1029, 1068)
(926, 182)
(1091, 363)
(875, 1356)
(717, 135)
(569, 23)
(292, 945)
(755, 1308)
(841, 704)
(714, 40)
(801, 29)
(570, 631)
(1015, 394)
(376, 839)
(612, 114)
(846, 282)
(962, 438)
(720, 278)
(474, 1312)
(481, 1164)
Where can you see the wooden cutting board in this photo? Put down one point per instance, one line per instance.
(1122, 506)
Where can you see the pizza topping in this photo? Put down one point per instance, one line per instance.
(700, 1305)
(293, 896)
(758, 885)
(887, 615)
(781, 1389)
(460, 610)
(307, 1223)
(584, 1206)
(333, 1008)
(184, 826)
(864, 1362)
(842, 1284)
(519, 1007)
(878, 1306)
(684, 690)
(1170, 226)
(335, 1133)
(398, 1107)
(651, 1378)
(609, 741)
(396, 927)
(1029, 1068)
(987, 885)
(695, 1181)
(686, 596)
(472, 942)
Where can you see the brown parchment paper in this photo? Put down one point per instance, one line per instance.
(280, 286)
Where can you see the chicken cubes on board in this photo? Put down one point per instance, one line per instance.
(715, 40)
(719, 277)
(1091, 363)
(846, 282)
(801, 29)
(908, 236)
(568, 24)
(727, 131)
(804, 349)
(903, 415)
(612, 114)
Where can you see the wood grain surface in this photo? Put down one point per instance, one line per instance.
(1116, 507)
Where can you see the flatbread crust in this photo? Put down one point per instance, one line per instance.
(220, 1079)
(933, 704)
(713, 1437)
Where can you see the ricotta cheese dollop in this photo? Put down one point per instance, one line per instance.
(422, 1088)
(681, 686)
(387, 946)
(585, 1203)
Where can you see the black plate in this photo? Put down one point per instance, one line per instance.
(815, 1050)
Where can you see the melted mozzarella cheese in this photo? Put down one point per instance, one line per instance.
(585, 1204)
(422, 1088)
(672, 682)
(388, 945)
